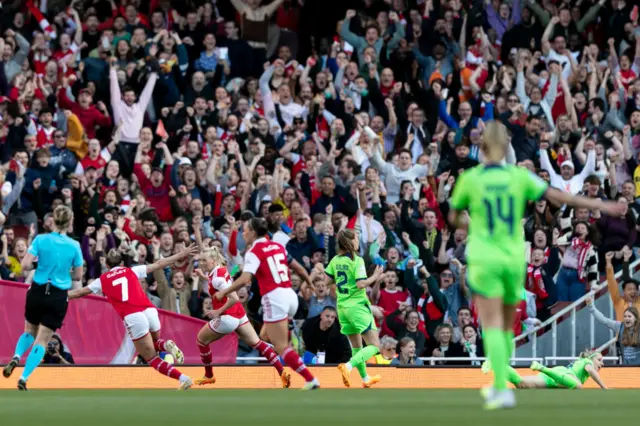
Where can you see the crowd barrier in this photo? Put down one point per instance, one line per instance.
(94, 334)
(265, 377)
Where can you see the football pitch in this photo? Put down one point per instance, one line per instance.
(326, 407)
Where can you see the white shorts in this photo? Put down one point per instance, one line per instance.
(279, 304)
(226, 324)
(140, 324)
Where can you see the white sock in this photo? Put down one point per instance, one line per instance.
(366, 378)
(183, 378)
(349, 366)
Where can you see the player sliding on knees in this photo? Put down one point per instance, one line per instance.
(496, 196)
(121, 287)
(228, 316)
(267, 261)
(571, 377)
(348, 273)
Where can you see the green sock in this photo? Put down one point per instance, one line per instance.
(362, 368)
(513, 377)
(508, 339)
(494, 348)
(561, 378)
(362, 357)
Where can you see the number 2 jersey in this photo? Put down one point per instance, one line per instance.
(219, 280)
(496, 197)
(267, 261)
(346, 271)
(122, 288)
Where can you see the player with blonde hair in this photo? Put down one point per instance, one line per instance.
(496, 196)
(227, 316)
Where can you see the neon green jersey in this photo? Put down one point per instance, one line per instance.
(346, 271)
(496, 197)
(578, 368)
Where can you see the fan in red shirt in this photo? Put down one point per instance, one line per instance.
(156, 187)
(267, 261)
(45, 128)
(89, 115)
(228, 316)
(121, 287)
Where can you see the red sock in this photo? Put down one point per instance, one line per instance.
(271, 355)
(207, 359)
(164, 368)
(159, 345)
(293, 360)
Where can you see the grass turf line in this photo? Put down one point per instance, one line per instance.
(328, 407)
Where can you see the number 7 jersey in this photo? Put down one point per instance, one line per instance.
(496, 197)
(346, 271)
(267, 261)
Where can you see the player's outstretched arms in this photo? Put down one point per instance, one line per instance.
(78, 293)
(168, 261)
(612, 208)
(595, 376)
(372, 279)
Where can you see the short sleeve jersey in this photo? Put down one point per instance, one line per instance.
(56, 255)
(267, 261)
(346, 271)
(579, 368)
(219, 280)
(496, 197)
(122, 288)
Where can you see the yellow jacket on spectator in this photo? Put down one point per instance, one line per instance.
(76, 138)
(379, 359)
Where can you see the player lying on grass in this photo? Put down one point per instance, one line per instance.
(227, 316)
(121, 286)
(570, 377)
(348, 273)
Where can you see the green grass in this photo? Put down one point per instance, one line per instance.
(326, 407)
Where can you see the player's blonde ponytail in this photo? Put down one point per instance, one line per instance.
(494, 141)
(214, 253)
(346, 242)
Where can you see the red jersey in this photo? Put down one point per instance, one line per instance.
(122, 289)
(267, 261)
(219, 279)
(99, 163)
(45, 136)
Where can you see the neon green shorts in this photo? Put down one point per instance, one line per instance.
(551, 383)
(498, 280)
(356, 319)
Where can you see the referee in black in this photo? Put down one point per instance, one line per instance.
(56, 254)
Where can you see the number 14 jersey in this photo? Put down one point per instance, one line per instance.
(267, 261)
(346, 271)
(496, 197)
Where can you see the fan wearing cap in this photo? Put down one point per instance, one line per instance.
(90, 116)
(156, 187)
(567, 181)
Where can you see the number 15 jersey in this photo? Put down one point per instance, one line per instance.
(346, 271)
(496, 197)
(267, 261)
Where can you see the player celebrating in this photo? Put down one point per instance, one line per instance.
(347, 271)
(496, 196)
(228, 316)
(571, 377)
(123, 290)
(267, 261)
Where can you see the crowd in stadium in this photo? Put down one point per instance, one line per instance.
(164, 123)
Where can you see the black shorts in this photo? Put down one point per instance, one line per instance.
(46, 305)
